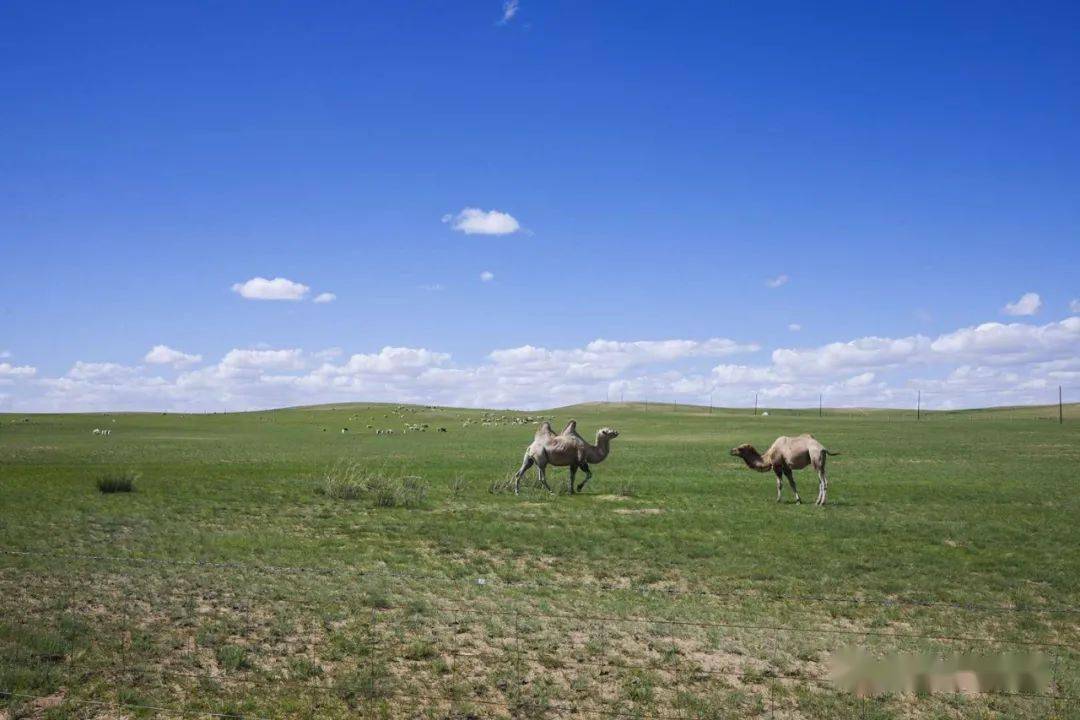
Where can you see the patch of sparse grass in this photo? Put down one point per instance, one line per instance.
(116, 482)
(302, 668)
(351, 481)
(232, 658)
(369, 682)
(625, 489)
(457, 485)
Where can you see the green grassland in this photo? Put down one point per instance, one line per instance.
(236, 579)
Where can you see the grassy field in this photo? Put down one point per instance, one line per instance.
(269, 565)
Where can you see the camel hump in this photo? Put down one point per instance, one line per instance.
(571, 427)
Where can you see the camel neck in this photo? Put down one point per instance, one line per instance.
(601, 447)
(754, 460)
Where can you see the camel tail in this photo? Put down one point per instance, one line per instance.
(827, 451)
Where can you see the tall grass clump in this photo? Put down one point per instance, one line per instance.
(117, 482)
(349, 481)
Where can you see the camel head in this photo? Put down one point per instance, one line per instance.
(607, 433)
(743, 451)
(751, 457)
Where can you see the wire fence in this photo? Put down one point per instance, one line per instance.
(535, 584)
(520, 647)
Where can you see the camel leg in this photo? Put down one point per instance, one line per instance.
(588, 476)
(779, 480)
(542, 471)
(573, 474)
(822, 480)
(791, 482)
(525, 465)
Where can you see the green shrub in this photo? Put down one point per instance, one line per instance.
(232, 658)
(348, 481)
(117, 482)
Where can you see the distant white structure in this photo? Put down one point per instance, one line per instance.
(765, 413)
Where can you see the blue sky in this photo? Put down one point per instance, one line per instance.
(683, 182)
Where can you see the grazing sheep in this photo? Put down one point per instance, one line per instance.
(97, 431)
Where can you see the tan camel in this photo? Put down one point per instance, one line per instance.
(567, 449)
(785, 455)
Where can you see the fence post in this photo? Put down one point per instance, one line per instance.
(372, 645)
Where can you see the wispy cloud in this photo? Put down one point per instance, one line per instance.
(509, 10)
(259, 288)
(7, 370)
(474, 221)
(165, 355)
(1074, 306)
(326, 297)
(777, 281)
(991, 363)
(794, 327)
(487, 276)
(1028, 304)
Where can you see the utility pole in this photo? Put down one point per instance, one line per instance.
(710, 403)
(755, 404)
(819, 404)
(1061, 418)
(918, 406)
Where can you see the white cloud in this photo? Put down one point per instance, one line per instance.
(865, 352)
(1028, 304)
(1074, 305)
(607, 359)
(101, 371)
(259, 288)
(998, 343)
(7, 370)
(992, 363)
(289, 359)
(5, 354)
(777, 281)
(326, 297)
(487, 276)
(474, 221)
(391, 360)
(509, 10)
(165, 355)
(794, 327)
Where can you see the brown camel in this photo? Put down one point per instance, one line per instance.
(567, 449)
(785, 455)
